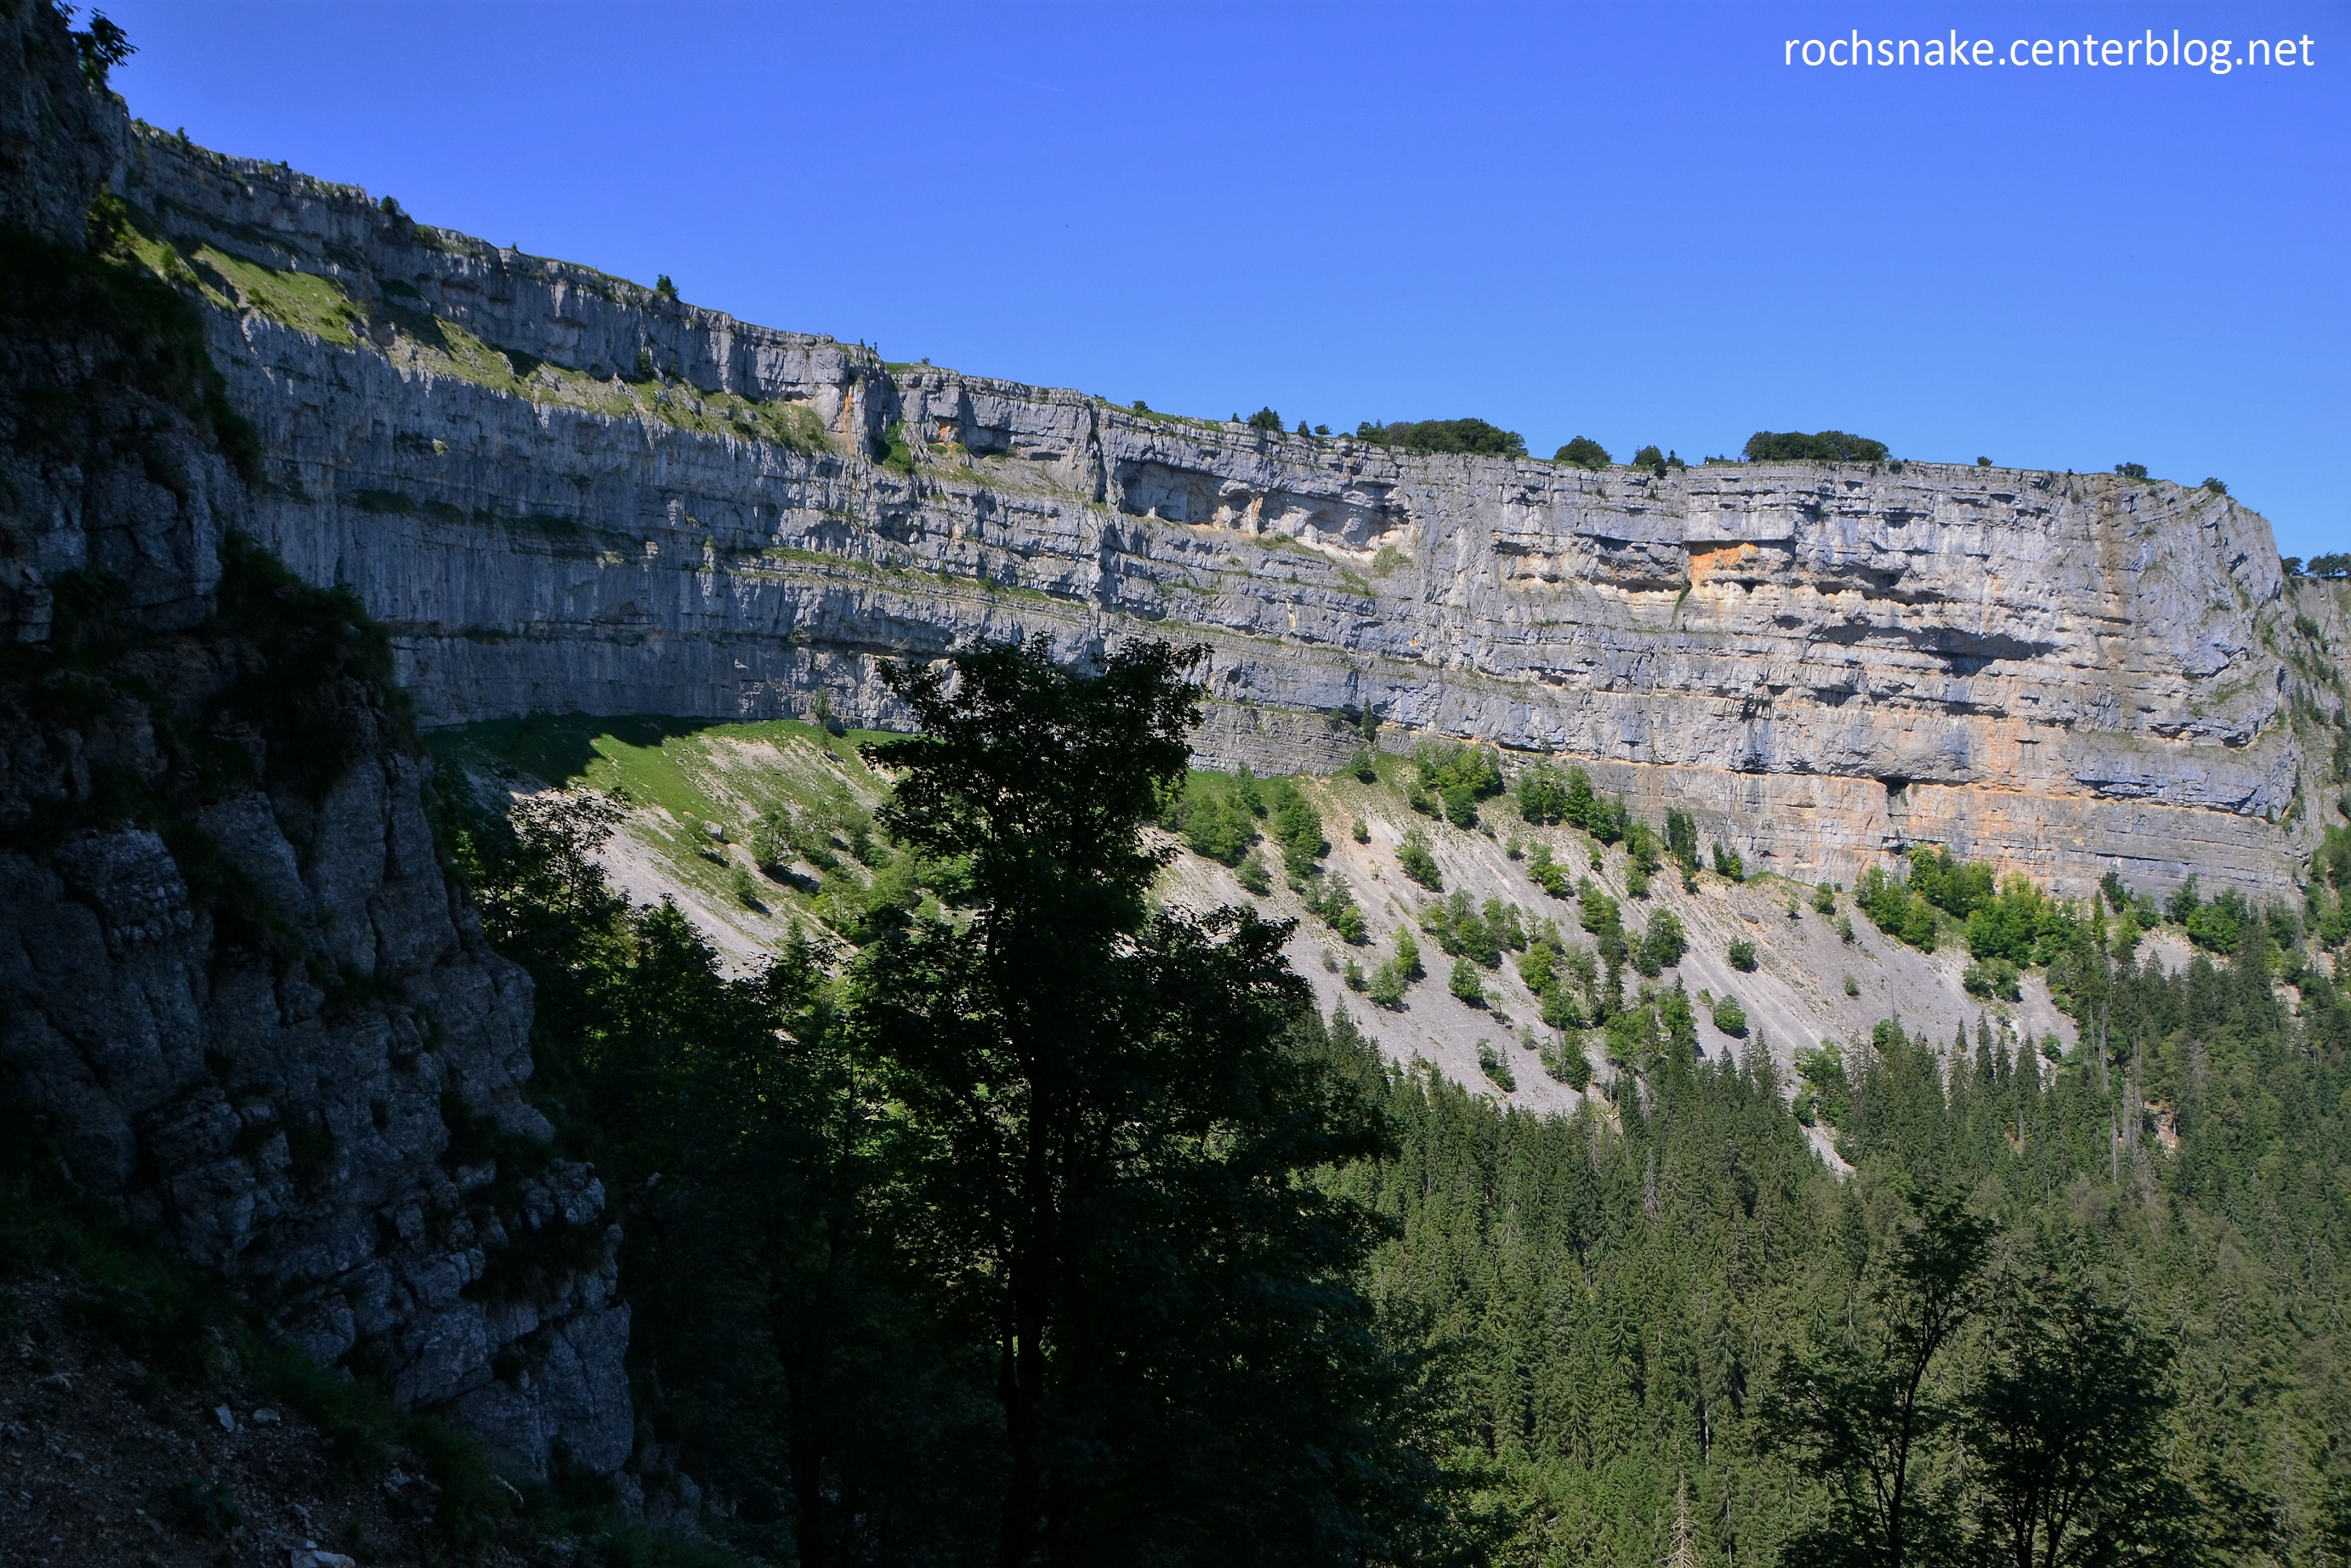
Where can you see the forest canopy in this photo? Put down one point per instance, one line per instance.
(1051, 1224)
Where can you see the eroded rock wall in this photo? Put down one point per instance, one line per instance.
(236, 990)
(564, 491)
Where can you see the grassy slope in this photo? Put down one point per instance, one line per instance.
(680, 779)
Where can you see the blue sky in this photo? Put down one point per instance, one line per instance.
(1630, 221)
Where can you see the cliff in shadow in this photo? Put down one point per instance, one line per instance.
(243, 1002)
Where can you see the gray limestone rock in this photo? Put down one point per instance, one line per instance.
(2065, 673)
(252, 1016)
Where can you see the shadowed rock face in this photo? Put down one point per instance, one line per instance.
(566, 492)
(238, 994)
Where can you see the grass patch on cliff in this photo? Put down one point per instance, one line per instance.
(326, 308)
(440, 345)
(303, 300)
(111, 329)
(681, 778)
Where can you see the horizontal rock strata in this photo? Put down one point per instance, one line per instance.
(566, 492)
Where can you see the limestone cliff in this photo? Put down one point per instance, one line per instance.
(244, 1003)
(564, 491)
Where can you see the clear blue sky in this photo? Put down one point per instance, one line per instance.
(1631, 221)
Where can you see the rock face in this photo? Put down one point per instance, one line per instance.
(244, 1003)
(563, 491)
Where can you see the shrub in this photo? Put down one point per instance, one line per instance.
(1824, 899)
(2021, 925)
(1560, 1008)
(1462, 931)
(1730, 1017)
(1641, 845)
(1607, 820)
(1265, 419)
(2131, 470)
(1743, 956)
(1297, 828)
(1474, 437)
(1247, 791)
(1254, 875)
(2216, 486)
(1598, 913)
(1727, 864)
(663, 286)
(1954, 886)
(1567, 1062)
(1650, 458)
(897, 456)
(1584, 453)
(1895, 909)
(1547, 873)
(1362, 832)
(1415, 861)
(1664, 942)
(1496, 1066)
(1827, 1093)
(1334, 902)
(1362, 764)
(2220, 925)
(1213, 817)
(1992, 978)
(1407, 957)
(1388, 982)
(1542, 794)
(1681, 839)
(1353, 976)
(1678, 1020)
(1851, 987)
(1459, 776)
(1821, 446)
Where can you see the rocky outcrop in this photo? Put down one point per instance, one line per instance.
(563, 491)
(246, 1005)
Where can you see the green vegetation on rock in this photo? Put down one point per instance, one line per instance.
(1823, 446)
(1474, 437)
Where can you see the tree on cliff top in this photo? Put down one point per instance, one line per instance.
(1470, 437)
(1820, 446)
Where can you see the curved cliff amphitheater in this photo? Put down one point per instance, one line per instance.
(567, 492)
